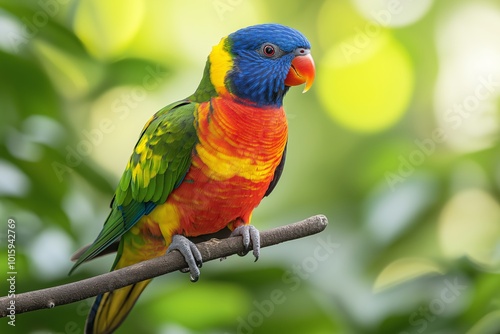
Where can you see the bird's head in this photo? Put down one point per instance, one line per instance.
(259, 63)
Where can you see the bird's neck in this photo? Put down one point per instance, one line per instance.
(248, 113)
(206, 89)
(213, 82)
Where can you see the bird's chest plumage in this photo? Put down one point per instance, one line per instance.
(233, 163)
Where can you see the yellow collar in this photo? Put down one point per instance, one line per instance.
(220, 64)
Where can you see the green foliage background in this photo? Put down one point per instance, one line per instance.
(397, 143)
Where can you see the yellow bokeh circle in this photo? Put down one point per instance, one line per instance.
(366, 82)
(106, 28)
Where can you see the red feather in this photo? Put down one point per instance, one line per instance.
(247, 140)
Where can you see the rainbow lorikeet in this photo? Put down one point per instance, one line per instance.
(204, 163)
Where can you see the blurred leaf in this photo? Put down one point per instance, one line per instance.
(134, 72)
(25, 90)
(74, 75)
(489, 324)
(405, 269)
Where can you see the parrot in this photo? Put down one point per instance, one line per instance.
(204, 163)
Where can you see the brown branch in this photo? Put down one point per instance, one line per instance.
(210, 250)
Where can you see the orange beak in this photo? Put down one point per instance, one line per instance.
(301, 71)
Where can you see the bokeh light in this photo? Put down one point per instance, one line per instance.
(366, 82)
(393, 13)
(468, 84)
(469, 226)
(107, 27)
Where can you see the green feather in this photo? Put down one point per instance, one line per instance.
(160, 185)
(165, 149)
(160, 161)
(206, 89)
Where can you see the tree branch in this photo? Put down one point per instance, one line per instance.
(210, 250)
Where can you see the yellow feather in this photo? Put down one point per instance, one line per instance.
(225, 166)
(168, 218)
(141, 145)
(137, 174)
(220, 63)
(115, 306)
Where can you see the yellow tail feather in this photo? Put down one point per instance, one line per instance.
(110, 309)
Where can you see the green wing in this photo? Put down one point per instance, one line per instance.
(160, 160)
(161, 157)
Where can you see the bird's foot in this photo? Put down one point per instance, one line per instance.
(249, 234)
(190, 253)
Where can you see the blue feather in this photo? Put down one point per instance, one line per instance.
(256, 77)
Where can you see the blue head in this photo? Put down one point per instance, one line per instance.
(259, 63)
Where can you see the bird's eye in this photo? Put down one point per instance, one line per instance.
(268, 50)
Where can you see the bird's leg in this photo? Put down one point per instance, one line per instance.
(190, 253)
(249, 234)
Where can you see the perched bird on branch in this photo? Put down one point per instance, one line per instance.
(204, 163)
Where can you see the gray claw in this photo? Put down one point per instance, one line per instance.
(249, 234)
(190, 253)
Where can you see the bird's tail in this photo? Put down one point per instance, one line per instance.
(111, 308)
